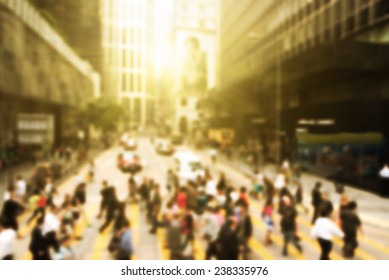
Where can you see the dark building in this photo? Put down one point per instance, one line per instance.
(79, 23)
(315, 74)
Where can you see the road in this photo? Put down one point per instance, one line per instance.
(374, 244)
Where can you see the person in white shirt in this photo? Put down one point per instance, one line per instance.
(21, 187)
(7, 239)
(384, 172)
(211, 231)
(50, 227)
(323, 230)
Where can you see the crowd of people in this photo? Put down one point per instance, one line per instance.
(208, 208)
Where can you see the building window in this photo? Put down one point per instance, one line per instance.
(350, 6)
(381, 8)
(350, 24)
(364, 17)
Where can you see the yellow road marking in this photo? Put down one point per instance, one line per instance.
(134, 219)
(102, 242)
(376, 245)
(303, 236)
(260, 250)
(278, 240)
(199, 252)
(161, 235)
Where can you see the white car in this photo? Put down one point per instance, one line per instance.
(188, 166)
(165, 148)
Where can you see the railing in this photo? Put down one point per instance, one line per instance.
(31, 17)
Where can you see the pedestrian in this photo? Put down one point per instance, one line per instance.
(211, 230)
(222, 183)
(38, 205)
(267, 215)
(111, 207)
(325, 204)
(125, 250)
(132, 189)
(51, 225)
(182, 198)
(12, 209)
(344, 205)
(121, 218)
(188, 228)
(245, 230)
(79, 201)
(155, 207)
(104, 193)
(91, 173)
(351, 223)
(316, 201)
(288, 225)
(144, 193)
(174, 238)
(323, 230)
(38, 244)
(269, 188)
(299, 196)
(50, 190)
(21, 188)
(202, 201)
(243, 197)
(7, 240)
(66, 251)
(228, 242)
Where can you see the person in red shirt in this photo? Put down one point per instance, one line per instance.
(182, 198)
(40, 207)
(243, 197)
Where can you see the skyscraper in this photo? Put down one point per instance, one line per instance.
(126, 47)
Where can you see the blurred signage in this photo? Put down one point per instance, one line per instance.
(37, 129)
(316, 122)
(258, 121)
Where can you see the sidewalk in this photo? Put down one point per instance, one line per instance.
(26, 170)
(373, 209)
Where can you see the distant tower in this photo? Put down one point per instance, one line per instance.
(194, 38)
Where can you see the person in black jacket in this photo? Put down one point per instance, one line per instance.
(112, 204)
(121, 218)
(245, 230)
(12, 208)
(227, 241)
(38, 244)
(316, 201)
(325, 204)
(155, 207)
(288, 225)
(350, 226)
(105, 192)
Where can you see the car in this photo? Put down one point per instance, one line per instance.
(124, 139)
(130, 145)
(129, 162)
(177, 139)
(165, 148)
(188, 167)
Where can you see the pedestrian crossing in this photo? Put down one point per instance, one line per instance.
(258, 249)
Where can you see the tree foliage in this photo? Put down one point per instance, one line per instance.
(104, 114)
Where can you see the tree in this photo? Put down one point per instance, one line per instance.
(104, 114)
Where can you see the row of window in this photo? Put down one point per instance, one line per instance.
(132, 82)
(330, 23)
